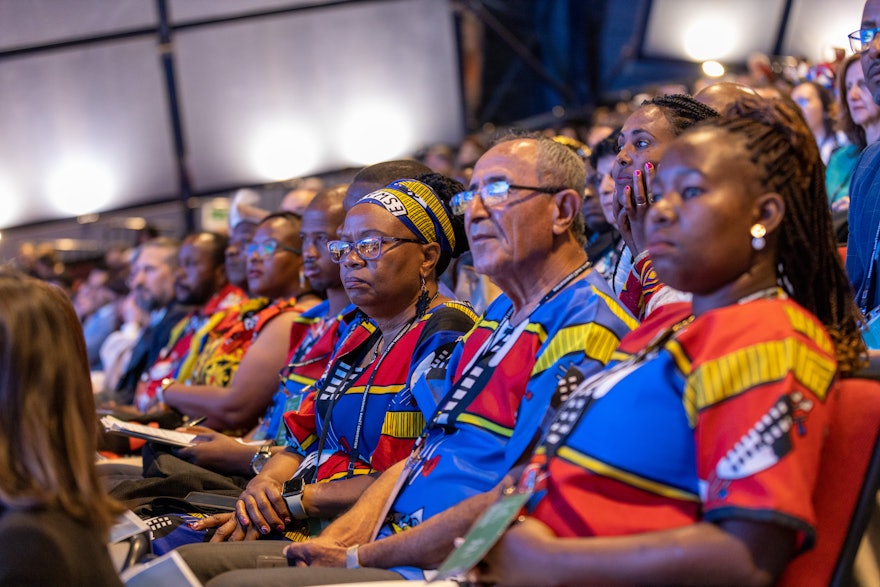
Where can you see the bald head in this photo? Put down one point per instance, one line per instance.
(721, 95)
(378, 175)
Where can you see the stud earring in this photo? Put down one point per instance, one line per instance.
(758, 231)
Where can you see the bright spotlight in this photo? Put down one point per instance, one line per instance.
(376, 131)
(713, 68)
(284, 151)
(80, 186)
(708, 39)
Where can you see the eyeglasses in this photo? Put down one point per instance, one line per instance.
(495, 194)
(268, 248)
(367, 248)
(861, 39)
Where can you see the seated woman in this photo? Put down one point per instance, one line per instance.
(54, 515)
(362, 417)
(645, 135)
(230, 377)
(858, 117)
(707, 474)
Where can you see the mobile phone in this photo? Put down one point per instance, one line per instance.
(213, 501)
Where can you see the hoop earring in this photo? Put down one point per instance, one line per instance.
(423, 301)
(758, 231)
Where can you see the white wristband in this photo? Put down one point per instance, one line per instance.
(351, 557)
(295, 505)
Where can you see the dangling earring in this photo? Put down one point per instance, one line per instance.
(758, 231)
(423, 301)
(302, 280)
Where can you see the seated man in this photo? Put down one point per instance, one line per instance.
(555, 321)
(231, 376)
(201, 282)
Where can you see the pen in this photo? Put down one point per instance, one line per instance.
(196, 421)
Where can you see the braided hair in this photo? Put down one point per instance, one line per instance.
(681, 110)
(782, 148)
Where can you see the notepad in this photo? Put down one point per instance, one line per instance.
(161, 435)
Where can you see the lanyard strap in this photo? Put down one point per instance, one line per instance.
(479, 369)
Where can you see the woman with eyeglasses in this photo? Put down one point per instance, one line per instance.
(232, 372)
(361, 417)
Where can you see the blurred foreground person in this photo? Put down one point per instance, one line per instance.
(54, 515)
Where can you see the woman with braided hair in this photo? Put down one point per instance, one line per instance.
(693, 459)
(641, 142)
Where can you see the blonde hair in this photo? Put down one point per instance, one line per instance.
(48, 424)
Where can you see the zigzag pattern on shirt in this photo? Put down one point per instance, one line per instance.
(596, 341)
(728, 376)
(403, 424)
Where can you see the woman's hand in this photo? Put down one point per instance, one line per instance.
(229, 528)
(261, 505)
(519, 558)
(217, 451)
(632, 209)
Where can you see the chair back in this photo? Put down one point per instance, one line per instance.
(849, 478)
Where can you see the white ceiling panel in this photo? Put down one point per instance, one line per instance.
(32, 22)
(269, 99)
(83, 130)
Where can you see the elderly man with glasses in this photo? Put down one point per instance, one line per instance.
(555, 323)
(863, 244)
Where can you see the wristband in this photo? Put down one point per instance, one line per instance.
(351, 557)
(295, 505)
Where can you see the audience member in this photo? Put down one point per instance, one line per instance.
(720, 95)
(119, 344)
(643, 139)
(241, 234)
(864, 211)
(152, 280)
(297, 199)
(556, 319)
(378, 175)
(54, 515)
(615, 264)
(95, 304)
(858, 117)
(817, 105)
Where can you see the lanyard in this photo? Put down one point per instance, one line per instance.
(351, 373)
(480, 368)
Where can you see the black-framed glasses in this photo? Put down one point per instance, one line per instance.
(861, 39)
(494, 194)
(268, 248)
(367, 248)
